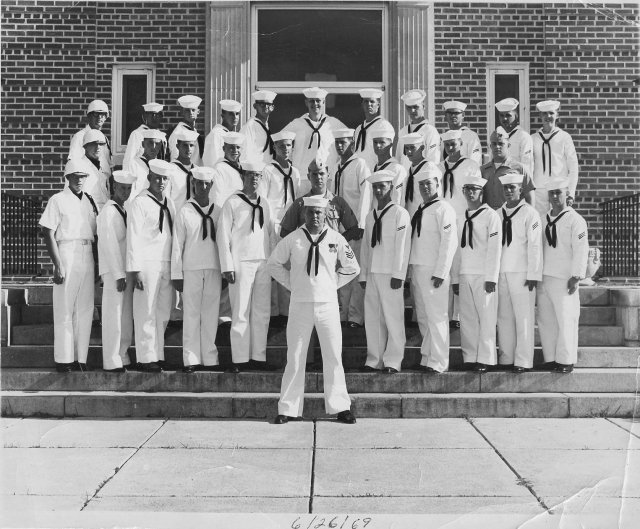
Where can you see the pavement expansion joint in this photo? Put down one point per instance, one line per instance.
(313, 467)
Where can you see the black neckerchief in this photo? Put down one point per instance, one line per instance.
(122, 212)
(547, 142)
(384, 165)
(316, 130)
(189, 176)
(288, 181)
(507, 232)
(269, 143)
(338, 176)
(550, 231)
(362, 134)
(412, 172)
(163, 207)
(235, 165)
(376, 232)
(469, 222)
(418, 127)
(449, 171)
(314, 246)
(416, 221)
(254, 207)
(206, 218)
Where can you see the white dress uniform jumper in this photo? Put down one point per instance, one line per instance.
(521, 260)
(433, 244)
(477, 261)
(117, 307)
(431, 136)
(213, 145)
(385, 255)
(195, 260)
(134, 147)
(226, 182)
(73, 220)
(313, 279)
(565, 252)
(244, 236)
(149, 239)
(452, 174)
(181, 186)
(471, 147)
(363, 139)
(76, 150)
(399, 180)
(172, 144)
(521, 147)
(258, 144)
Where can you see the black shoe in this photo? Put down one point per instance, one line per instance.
(150, 367)
(467, 366)
(454, 324)
(212, 369)
(354, 325)
(115, 370)
(480, 367)
(346, 417)
(519, 369)
(368, 369)
(547, 366)
(390, 370)
(233, 368)
(191, 369)
(564, 368)
(260, 365)
(282, 419)
(163, 365)
(64, 368)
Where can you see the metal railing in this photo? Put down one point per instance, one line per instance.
(621, 237)
(20, 215)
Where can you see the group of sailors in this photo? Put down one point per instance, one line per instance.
(323, 224)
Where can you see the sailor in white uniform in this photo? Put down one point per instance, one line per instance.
(382, 147)
(189, 110)
(414, 105)
(350, 182)
(520, 271)
(258, 140)
(384, 259)
(520, 144)
(97, 115)
(554, 156)
(434, 239)
(213, 143)
(228, 178)
(314, 137)
(151, 119)
(313, 262)
(149, 239)
(181, 185)
(117, 285)
(475, 276)
(245, 233)
(413, 150)
(195, 271)
(454, 116)
(69, 228)
(364, 133)
(565, 252)
(152, 142)
(97, 183)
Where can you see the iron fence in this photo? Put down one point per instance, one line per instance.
(621, 237)
(20, 217)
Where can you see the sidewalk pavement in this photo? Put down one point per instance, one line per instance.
(379, 473)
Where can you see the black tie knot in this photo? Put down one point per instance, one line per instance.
(467, 236)
(550, 231)
(413, 170)
(314, 249)
(361, 140)
(376, 233)
(254, 207)
(507, 232)
(316, 130)
(416, 221)
(447, 177)
(338, 176)
(163, 207)
(288, 181)
(206, 220)
(546, 142)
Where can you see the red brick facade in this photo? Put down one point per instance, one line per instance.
(56, 56)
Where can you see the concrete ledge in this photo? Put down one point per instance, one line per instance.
(32, 405)
(602, 405)
(625, 297)
(594, 296)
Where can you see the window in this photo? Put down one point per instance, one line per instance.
(296, 48)
(133, 86)
(509, 79)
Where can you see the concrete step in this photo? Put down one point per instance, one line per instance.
(352, 357)
(582, 380)
(264, 405)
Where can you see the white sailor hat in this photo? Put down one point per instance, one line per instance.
(189, 101)
(230, 105)
(413, 97)
(316, 201)
(458, 106)
(512, 177)
(507, 104)
(93, 136)
(264, 95)
(370, 93)
(342, 133)
(415, 138)
(501, 132)
(74, 166)
(315, 93)
(153, 134)
(185, 134)
(548, 106)
(153, 107)
(161, 167)
(283, 135)
(381, 176)
(473, 180)
(233, 138)
(97, 105)
(203, 173)
(124, 177)
(557, 183)
(428, 172)
(385, 130)
(319, 162)
(451, 135)
(252, 166)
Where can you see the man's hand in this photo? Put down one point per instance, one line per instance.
(396, 283)
(363, 284)
(230, 277)
(572, 284)
(489, 287)
(437, 281)
(456, 289)
(58, 274)
(530, 284)
(138, 280)
(121, 284)
(178, 284)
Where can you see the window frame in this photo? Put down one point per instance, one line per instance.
(117, 119)
(521, 69)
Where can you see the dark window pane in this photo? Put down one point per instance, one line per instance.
(134, 95)
(345, 107)
(343, 45)
(507, 85)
